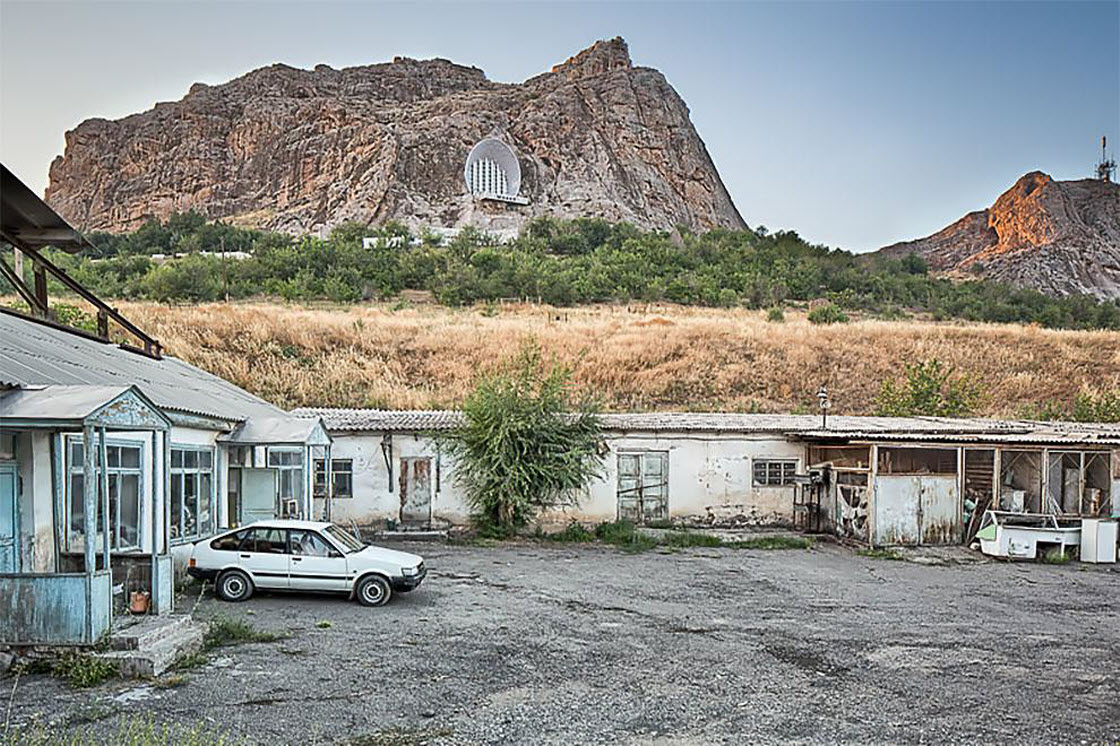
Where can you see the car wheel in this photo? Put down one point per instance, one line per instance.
(234, 585)
(373, 590)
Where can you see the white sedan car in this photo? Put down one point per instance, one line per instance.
(302, 556)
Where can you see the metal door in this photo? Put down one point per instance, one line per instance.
(258, 495)
(643, 486)
(314, 564)
(416, 490)
(939, 505)
(9, 560)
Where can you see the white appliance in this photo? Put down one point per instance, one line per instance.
(1098, 540)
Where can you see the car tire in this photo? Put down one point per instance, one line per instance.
(234, 586)
(373, 590)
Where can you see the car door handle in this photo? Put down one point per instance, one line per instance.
(244, 556)
(297, 559)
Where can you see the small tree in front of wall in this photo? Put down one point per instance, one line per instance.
(929, 389)
(526, 444)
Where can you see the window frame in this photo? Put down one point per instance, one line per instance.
(197, 471)
(767, 462)
(319, 485)
(296, 469)
(70, 470)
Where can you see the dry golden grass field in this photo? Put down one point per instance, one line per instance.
(637, 358)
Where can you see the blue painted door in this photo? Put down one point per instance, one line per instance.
(8, 559)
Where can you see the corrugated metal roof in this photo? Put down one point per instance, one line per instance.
(57, 402)
(35, 354)
(809, 426)
(277, 430)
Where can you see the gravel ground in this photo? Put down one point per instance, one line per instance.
(543, 644)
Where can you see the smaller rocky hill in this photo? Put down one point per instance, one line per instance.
(1059, 237)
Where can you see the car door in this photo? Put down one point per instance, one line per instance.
(264, 553)
(314, 564)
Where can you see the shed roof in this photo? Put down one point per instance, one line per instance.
(30, 222)
(120, 407)
(33, 354)
(282, 429)
(807, 426)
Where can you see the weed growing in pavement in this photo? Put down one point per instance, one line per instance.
(224, 631)
(324, 624)
(191, 660)
(631, 538)
(400, 737)
(82, 670)
(887, 554)
(170, 682)
(771, 542)
(131, 731)
(1055, 557)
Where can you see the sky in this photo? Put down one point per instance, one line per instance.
(857, 124)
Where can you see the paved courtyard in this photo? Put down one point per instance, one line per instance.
(585, 644)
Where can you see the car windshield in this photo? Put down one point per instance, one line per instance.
(345, 538)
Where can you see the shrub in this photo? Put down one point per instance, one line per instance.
(775, 315)
(929, 389)
(830, 314)
(527, 444)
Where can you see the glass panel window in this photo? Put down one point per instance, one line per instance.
(125, 489)
(309, 544)
(192, 493)
(774, 472)
(343, 473)
(289, 464)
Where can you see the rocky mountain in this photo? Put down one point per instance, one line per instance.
(1060, 237)
(298, 150)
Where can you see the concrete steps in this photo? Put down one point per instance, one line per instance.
(151, 646)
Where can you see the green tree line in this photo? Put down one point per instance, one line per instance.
(554, 261)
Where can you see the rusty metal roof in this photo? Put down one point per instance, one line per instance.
(805, 426)
(33, 354)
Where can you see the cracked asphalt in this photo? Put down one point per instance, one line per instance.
(541, 644)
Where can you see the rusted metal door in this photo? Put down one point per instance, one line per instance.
(416, 490)
(915, 509)
(8, 549)
(939, 505)
(643, 486)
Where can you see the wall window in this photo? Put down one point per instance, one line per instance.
(288, 462)
(192, 493)
(124, 496)
(343, 471)
(774, 472)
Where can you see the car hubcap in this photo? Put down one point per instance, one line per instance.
(234, 587)
(373, 592)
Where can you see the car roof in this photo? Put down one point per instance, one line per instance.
(285, 523)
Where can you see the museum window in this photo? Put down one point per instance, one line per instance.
(192, 493)
(342, 471)
(124, 478)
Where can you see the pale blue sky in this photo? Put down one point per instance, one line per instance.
(855, 123)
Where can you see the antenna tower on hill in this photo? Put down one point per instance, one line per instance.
(1107, 167)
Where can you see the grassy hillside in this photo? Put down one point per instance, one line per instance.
(638, 357)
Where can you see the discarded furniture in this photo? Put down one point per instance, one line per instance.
(1098, 540)
(1018, 535)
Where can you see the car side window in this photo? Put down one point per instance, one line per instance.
(309, 544)
(266, 541)
(229, 542)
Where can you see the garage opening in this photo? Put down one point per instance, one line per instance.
(1079, 483)
(979, 487)
(1020, 481)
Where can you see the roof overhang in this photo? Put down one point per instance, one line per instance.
(29, 222)
(282, 430)
(57, 406)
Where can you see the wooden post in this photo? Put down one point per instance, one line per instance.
(89, 497)
(103, 462)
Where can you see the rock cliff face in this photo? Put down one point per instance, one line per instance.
(1060, 237)
(298, 150)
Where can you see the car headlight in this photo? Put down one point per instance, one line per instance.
(408, 571)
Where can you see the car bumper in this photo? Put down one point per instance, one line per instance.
(200, 574)
(406, 583)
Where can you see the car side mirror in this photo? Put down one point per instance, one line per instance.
(335, 554)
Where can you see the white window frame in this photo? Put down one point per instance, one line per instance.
(197, 471)
(297, 469)
(70, 471)
(769, 461)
